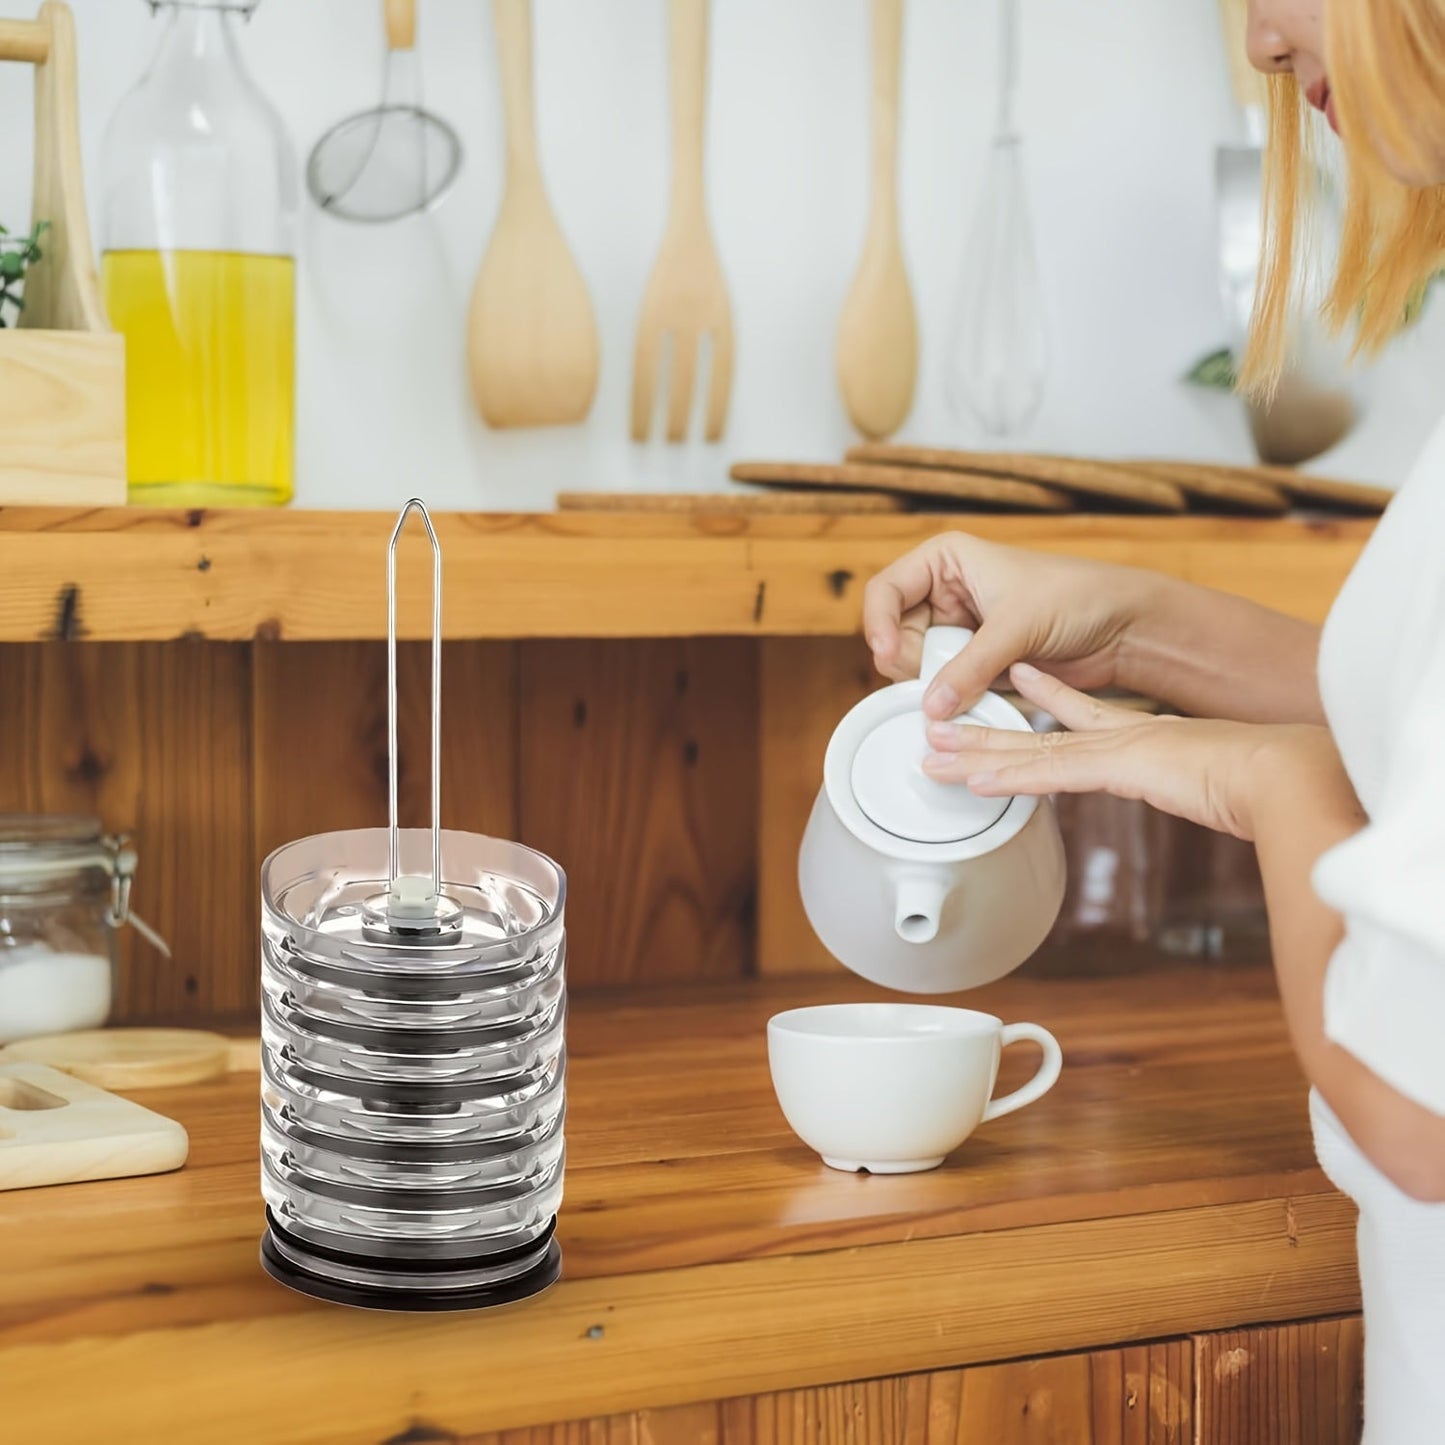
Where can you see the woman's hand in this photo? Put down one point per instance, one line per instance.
(1024, 606)
(1095, 625)
(1213, 773)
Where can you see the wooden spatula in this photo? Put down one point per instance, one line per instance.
(532, 337)
(687, 297)
(878, 331)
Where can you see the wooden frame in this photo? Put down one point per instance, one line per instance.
(62, 374)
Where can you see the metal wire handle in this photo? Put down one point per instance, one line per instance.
(394, 850)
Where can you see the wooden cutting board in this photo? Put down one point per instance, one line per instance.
(1302, 486)
(55, 1129)
(1088, 479)
(775, 503)
(1008, 493)
(129, 1058)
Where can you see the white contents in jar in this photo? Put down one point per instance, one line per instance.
(45, 992)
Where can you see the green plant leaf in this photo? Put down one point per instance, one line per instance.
(1415, 306)
(12, 264)
(1215, 372)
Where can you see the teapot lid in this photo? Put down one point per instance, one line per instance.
(895, 793)
(887, 775)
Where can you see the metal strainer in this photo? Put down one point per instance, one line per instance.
(395, 159)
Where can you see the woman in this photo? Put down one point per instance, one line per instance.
(1335, 771)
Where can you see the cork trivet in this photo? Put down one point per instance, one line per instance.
(1305, 487)
(811, 500)
(1071, 474)
(1218, 488)
(1008, 493)
(128, 1058)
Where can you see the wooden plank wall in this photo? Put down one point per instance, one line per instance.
(1138, 1395)
(1298, 1384)
(671, 778)
(1279, 1385)
(634, 763)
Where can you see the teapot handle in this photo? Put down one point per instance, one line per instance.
(940, 646)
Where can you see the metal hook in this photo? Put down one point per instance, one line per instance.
(394, 851)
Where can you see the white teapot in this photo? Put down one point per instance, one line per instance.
(918, 885)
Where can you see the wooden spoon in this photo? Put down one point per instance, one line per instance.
(532, 341)
(878, 332)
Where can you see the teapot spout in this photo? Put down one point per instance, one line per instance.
(918, 905)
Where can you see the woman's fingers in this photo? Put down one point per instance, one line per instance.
(926, 583)
(1078, 712)
(908, 660)
(896, 591)
(947, 737)
(1052, 763)
(961, 682)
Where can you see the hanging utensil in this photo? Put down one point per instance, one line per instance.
(686, 302)
(878, 330)
(532, 346)
(997, 361)
(395, 159)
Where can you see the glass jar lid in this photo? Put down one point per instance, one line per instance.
(24, 829)
(41, 854)
(50, 845)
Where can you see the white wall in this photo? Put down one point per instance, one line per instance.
(1122, 104)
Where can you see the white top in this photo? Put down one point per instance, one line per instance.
(1382, 675)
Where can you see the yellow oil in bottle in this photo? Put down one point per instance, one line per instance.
(209, 374)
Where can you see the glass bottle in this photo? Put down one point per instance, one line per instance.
(198, 222)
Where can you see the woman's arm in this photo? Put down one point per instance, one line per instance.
(1285, 789)
(1304, 806)
(1210, 654)
(1095, 625)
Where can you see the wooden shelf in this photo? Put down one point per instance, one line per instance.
(140, 575)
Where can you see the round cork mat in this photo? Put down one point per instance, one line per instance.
(1098, 480)
(774, 503)
(129, 1058)
(1305, 487)
(1218, 489)
(1351, 496)
(1009, 493)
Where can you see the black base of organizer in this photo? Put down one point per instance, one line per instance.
(320, 1285)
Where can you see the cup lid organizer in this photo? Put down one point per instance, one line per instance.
(413, 1018)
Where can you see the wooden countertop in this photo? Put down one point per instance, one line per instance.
(137, 574)
(1167, 1184)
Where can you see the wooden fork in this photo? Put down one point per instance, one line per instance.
(687, 295)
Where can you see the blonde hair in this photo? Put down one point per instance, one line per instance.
(1387, 73)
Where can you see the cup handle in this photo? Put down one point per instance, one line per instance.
(1041, 1083)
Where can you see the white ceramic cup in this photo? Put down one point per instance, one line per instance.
(894, 1088)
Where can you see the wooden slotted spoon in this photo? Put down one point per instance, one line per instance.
(878, 331)
(532, 343)
(687, 296)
